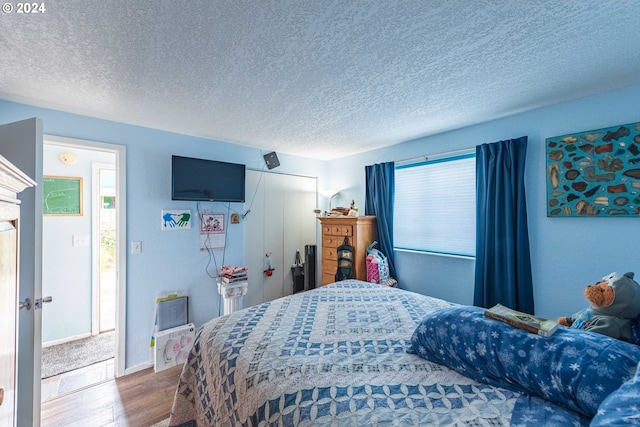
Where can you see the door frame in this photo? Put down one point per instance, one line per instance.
(121, 242)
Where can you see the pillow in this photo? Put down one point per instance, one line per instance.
(621, 407)
(573, 368)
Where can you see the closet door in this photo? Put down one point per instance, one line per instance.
(275, 188)
(253, 236)
(281, 221)
(300, 223)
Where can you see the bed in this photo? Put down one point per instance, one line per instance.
(355, 354)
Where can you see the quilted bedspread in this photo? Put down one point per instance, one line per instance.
(334, 356)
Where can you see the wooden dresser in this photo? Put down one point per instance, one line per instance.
(361, 231)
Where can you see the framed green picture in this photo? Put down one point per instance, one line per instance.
(62, 195)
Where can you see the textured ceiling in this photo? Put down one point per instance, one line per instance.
(317, 78)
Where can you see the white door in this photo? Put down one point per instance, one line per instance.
(274, 286)
(103, 272)
(254, 257)
(21, 144)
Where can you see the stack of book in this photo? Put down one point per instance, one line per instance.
(527, 322)
(230, 274)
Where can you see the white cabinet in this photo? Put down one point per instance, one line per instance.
(12, 181)
(280, 221)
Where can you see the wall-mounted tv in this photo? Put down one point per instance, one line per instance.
(206, 180)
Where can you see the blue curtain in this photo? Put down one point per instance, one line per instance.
(503, 262)
(380, 190)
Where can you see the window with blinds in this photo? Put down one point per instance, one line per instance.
(435, 205)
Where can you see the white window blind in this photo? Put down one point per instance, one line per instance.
(435, 206)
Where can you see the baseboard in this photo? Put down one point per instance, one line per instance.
(66, 340)
(138, 368)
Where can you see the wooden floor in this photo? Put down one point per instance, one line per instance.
(69, 382)
(136, 400)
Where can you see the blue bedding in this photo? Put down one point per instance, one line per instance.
(337, 355)
(572, 368)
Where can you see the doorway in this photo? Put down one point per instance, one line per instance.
(83, 269)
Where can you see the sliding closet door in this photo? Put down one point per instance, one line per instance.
(274, 237)
(281, 221)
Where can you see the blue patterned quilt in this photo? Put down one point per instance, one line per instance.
(334, 356)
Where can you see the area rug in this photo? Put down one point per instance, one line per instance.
(77, 354)
(163, 423)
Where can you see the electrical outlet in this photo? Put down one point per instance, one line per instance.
(136, 247)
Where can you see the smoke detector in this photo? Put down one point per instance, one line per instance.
(68, 158)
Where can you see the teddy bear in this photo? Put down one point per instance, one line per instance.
(615, 303)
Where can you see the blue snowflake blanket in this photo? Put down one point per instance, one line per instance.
(573, 368)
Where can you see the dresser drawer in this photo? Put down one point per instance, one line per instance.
(337, 230)
(329, 268)
(331, 242)
(328, 278)
(330, 253)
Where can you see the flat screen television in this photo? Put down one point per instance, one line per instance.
(206, 180)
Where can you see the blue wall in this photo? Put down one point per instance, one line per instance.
(169, 260)
(567, 253)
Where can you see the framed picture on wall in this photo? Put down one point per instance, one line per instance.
(174, 219)
(594, 173)
(62, 195)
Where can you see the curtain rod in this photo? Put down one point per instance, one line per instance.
(426, 157)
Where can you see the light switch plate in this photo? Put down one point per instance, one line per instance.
(136, 247)
(81, 240)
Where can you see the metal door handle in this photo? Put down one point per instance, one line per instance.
(40, 301)
(37, 305)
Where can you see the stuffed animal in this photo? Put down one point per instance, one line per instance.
(615, 302)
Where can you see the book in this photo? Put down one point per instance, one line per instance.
(228, 280)
(527, 322)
